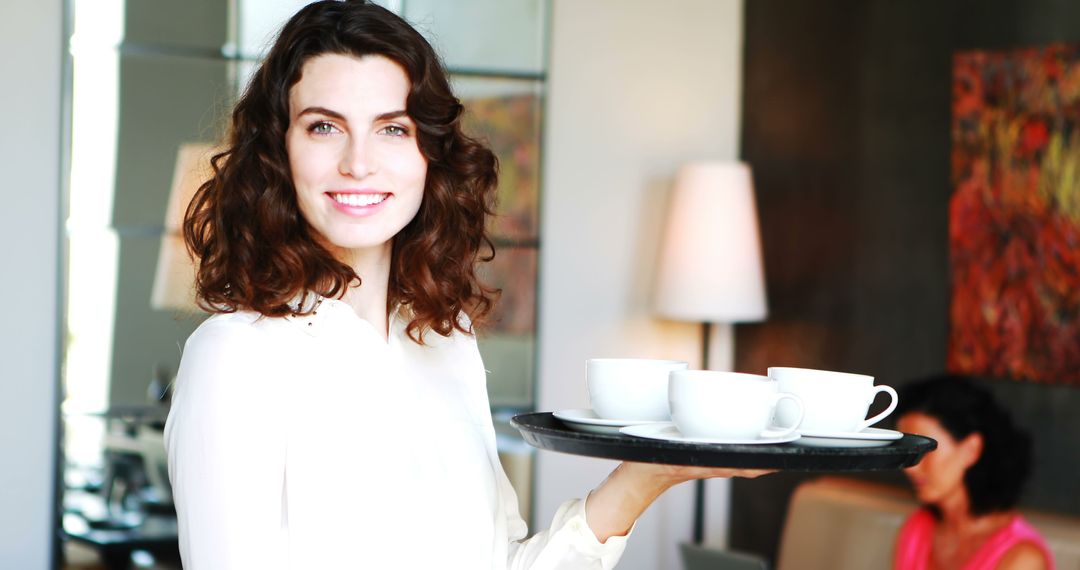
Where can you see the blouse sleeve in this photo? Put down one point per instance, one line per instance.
(568, 544)
(226, 443)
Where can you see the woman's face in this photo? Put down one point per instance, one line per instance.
(358, 172)
(940, 475)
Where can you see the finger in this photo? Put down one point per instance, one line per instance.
(754, 473)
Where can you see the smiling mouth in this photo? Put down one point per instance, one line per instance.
(358, 200)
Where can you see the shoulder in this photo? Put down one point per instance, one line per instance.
(1028, 548)
(229, 349)
(919, 522)
(1025, 555)
(231, 332)
(915, 534)
(913, 542)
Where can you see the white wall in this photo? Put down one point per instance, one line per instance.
(636, 88)
(30, 41)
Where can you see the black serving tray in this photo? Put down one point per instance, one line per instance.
(544, 431)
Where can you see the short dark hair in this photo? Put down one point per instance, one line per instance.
(255, 249)
(964, 406)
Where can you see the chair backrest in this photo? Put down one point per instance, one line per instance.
(842, 524)
(695, 557)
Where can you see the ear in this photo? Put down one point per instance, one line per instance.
(971, 448)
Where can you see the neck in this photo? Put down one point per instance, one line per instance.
(370, 298)
(956, 517)
(955, 509)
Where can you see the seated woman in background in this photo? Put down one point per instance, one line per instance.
(969, 485)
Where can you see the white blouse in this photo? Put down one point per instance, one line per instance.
(311, 443)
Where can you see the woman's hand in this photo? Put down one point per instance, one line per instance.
(614, 506)
(676, 474)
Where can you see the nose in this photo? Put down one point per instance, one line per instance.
(357, 158)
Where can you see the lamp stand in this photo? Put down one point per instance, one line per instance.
(723, 358)
(699, 485)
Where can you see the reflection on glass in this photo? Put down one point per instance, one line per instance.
(258, 21)
(141, 86)
(514, 272)
(92, 246)
(506, 114)
(191, 26)
(490, 35)
(508, 342)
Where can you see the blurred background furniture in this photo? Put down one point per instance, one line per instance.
(118, 548)
(127, 507)
(697, 557)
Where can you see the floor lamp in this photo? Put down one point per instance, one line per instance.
(710, 267)
(174, 277)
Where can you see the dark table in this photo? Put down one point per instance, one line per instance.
(156, 534)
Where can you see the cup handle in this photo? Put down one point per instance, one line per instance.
(782, 431)
(892, 406)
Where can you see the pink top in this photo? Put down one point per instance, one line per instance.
(917, 538)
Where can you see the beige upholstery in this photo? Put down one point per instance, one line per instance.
(844, 524)
(1063, 535)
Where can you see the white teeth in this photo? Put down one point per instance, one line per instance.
(358, 199)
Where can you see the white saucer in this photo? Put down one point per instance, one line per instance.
(668, 432)
(588, 421)
(869, 437)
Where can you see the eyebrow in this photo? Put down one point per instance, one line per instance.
(389, 115)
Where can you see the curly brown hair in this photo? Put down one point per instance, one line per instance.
(255, 250)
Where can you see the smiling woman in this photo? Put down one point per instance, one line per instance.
(344, 221)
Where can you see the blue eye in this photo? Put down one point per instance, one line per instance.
(396, 131)
(321, 128)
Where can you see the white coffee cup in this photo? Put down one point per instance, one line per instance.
(710, 404)
(834, 402)
(632, 389)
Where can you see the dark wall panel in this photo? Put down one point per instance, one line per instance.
(846, 124)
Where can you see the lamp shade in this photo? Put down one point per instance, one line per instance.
(710, 259)
(174, 277)
(192, 169)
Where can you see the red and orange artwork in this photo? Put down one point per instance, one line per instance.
(1014, 214)
(510, 125)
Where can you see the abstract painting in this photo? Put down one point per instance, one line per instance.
(510, 124)
(1014, 214)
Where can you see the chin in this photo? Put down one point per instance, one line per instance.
(926, 497)
(350, 241)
